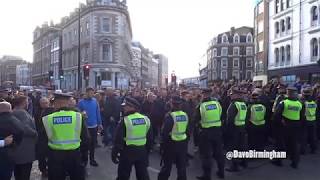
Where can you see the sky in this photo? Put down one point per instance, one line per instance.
(179, 29)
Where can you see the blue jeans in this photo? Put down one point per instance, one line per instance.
(6, 169)
(108, 132)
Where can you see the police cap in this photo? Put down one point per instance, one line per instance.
(307, 90)
(61, 96)
(292, 89)
(132, 102)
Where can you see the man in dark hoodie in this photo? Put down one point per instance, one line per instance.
(9, 126)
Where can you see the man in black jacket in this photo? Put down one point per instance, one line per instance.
(9, 125)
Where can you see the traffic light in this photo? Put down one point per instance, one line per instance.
(50, 75)
(86, 71)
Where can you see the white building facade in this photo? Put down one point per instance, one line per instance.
(294, 32)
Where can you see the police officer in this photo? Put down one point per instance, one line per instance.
(309, 131)
(133, 140)
(256, 122)
(174, 141)
(236, 132)
(65, 131)
(290, 112)
(208, 119)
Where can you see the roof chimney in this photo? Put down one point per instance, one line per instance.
(232, 30)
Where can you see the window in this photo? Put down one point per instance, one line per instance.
(288, 51)
(314, 15)
(260, 46)
(277, 27)
(260, 26)
(235, 74)
(282, 5)
(87, 28)
(214, 52)
(106, 52)
(224, 75)
(261, 8)
(249, 51)
(236, 51)
(288, 23)
(249, 62)
(224, 63)
(106, 27)
(283, 26)
(288, 3)
(214, 75)
(224, 51)
(236, 62)
(282, 52)
(236, 38)
(224, 39)
(277, 6)
(75, 33)
(276, 54)
(249, 38)
(290, 79)
(314, 49)
(214, 65)
(249, 75)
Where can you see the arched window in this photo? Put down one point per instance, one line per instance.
(282, 52)
(288, 52)
(288, 3)
(277, 6)
(277, 27)
(236, 38)
(282, 5)
(224, 39)
(288, 23)
(314, 48)
(283, 26)
(314, 15)
(249, 38)
(276, 54)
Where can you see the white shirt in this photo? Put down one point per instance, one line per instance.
(1, 143)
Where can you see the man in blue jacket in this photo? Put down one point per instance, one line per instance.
(90, 107)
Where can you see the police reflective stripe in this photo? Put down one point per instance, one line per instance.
(310, 112)
(210, 114)
(78, 126)
(180, 123)
(64, 142)
(63, 129)
(241, 115)
(136, 138)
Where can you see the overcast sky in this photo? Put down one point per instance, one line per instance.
(179, 29)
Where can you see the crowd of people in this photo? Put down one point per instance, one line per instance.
(60, 129)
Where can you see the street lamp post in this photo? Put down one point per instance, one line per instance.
(79, 49)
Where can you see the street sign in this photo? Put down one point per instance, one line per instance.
(106, 83)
